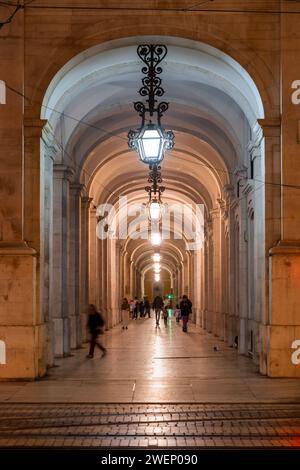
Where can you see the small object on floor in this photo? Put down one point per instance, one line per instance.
(126, 327)
(216, 348)
(90, 356)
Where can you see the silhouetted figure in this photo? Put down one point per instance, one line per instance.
(141, 308)
(136, 308)
(185, 309)
(177, 313)
(95, 326)
(125, 313)
(158, 304)
(147, 307)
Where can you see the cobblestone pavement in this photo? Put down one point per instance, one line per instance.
(149, 426)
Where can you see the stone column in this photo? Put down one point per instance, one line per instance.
(233, 268)
(104, 282)
(209, 279)
(216, 228)
(132, 280)
(197, 286)
(243, 277)
(92, 254)
(60, 280)
(280, 312)
(48, 151)
(84, 263)
(74, 265)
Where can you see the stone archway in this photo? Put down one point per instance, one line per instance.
(218, 161)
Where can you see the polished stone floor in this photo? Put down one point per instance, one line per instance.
(145, 364)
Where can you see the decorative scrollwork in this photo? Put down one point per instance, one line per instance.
(140, 107)
(132, 138)
(169, 140)
(151, 55)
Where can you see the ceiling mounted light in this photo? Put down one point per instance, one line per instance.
(155, 238)
(155, 205)
(156, 257)
(157, 277)
(156, 267)
(150, 140)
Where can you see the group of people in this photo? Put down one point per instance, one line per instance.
(135, 307)
(160, 305)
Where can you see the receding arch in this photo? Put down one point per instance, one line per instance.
(214, 111)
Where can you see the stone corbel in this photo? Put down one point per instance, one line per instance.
(240, 174)
(62, 171)
(271, 127)
(223, 208)
(34, 127)
(51, 146)
(76, 188)
(86, 200)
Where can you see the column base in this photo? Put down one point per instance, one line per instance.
(23, 335)
(25, 352)
(284, 313)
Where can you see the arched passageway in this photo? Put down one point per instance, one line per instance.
(218, 161)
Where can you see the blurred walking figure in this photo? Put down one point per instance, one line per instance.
(158, 304)
(136, 308)
(147, 307)
(177, 313)
(166, 314)
(141, 308)
(185, 309)
(125, 313)
(131, 308)
(95, 326)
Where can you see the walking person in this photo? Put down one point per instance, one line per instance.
(95, 326)
(185, 310)
(136, 308)
(177, 313)
(131, 308)
(141, 308)
(125, 313)
(147, 307)
(158, 304)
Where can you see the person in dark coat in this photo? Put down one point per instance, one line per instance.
(158, 304)
(95, 326)
(147, 307)
(185, 310)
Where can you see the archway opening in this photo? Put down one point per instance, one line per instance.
(217, 162)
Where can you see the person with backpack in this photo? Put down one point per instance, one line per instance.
(95, 326)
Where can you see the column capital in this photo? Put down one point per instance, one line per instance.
(215, 212)
(61, 171)
(240, 172)
(76, 188)
(271, 127)
(34, 127)
(85, 200)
